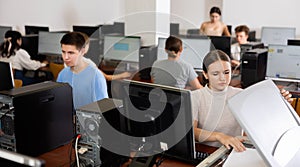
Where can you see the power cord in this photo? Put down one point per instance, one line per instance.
(76, 150)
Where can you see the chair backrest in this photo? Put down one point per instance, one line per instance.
(55, 69)
(18, 83)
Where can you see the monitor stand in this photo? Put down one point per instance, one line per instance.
(144, 157)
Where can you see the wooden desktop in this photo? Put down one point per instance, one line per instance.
(64, 156)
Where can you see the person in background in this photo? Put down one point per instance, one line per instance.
(214, 27)
(87, 82)
(174, 71)
(241, 34)
(108, 77)
(214, 124)
(11, 51)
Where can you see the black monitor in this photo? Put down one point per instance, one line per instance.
(119, 28)
(295, 42)
(6, 76)
(221, 43)
(30, 44)
(88, 30)
(3, 30)
(174, 28)
(159, 119)
(13, 159)
(35, 29)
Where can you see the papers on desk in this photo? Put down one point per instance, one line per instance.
(248, 158)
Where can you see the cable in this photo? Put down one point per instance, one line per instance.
(76, 151)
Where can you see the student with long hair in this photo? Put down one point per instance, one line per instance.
(11, 51)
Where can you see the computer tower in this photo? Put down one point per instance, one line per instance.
(147, 56)
(249, 46)
(253, 66)
(101, 126)
(36, 118)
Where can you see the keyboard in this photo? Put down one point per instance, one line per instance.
(212, 158)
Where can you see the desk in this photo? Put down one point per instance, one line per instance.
(60, 157)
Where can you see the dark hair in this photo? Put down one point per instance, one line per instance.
(242, 28)
(215, 10)
(210, 58)
(173, 45)
(10, 45)
(73, 38)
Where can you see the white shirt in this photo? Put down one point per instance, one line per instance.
(236, 51)
(21, 60)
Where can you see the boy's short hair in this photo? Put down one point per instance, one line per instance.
(242, 28)
(73, 38)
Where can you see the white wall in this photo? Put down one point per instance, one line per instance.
(258, 13)
(59, 14)
(62, 14)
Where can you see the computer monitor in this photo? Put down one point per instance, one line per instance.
(35, 29)
(6, 76)
(30, 43)
(194, 50)
(13, 159)
(174, 28)
(277, 35)
(49, 43)
(159, 119)
(221, 43)
(88, 30)
(295, 42)
(122, 48)
(3, 30)
(119, 28)
(283, 62)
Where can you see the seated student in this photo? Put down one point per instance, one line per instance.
(174, 71)
(108, 77)
(241, 33)
(214, 124)
(11, 51)
(88, 83)
(214, 27)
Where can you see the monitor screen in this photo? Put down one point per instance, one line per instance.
(194, 50)
(221, 43)
(122, 48)
(159, 118)
(6, 76)
(277, 35)
(49, 43)
(13, 159)
(88, 30)
(30, 44)
(35, 29)
(3, 30)
(283, 61)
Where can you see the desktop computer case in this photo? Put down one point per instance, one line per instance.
(36, 118)
(253, 66)
(92, 124)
